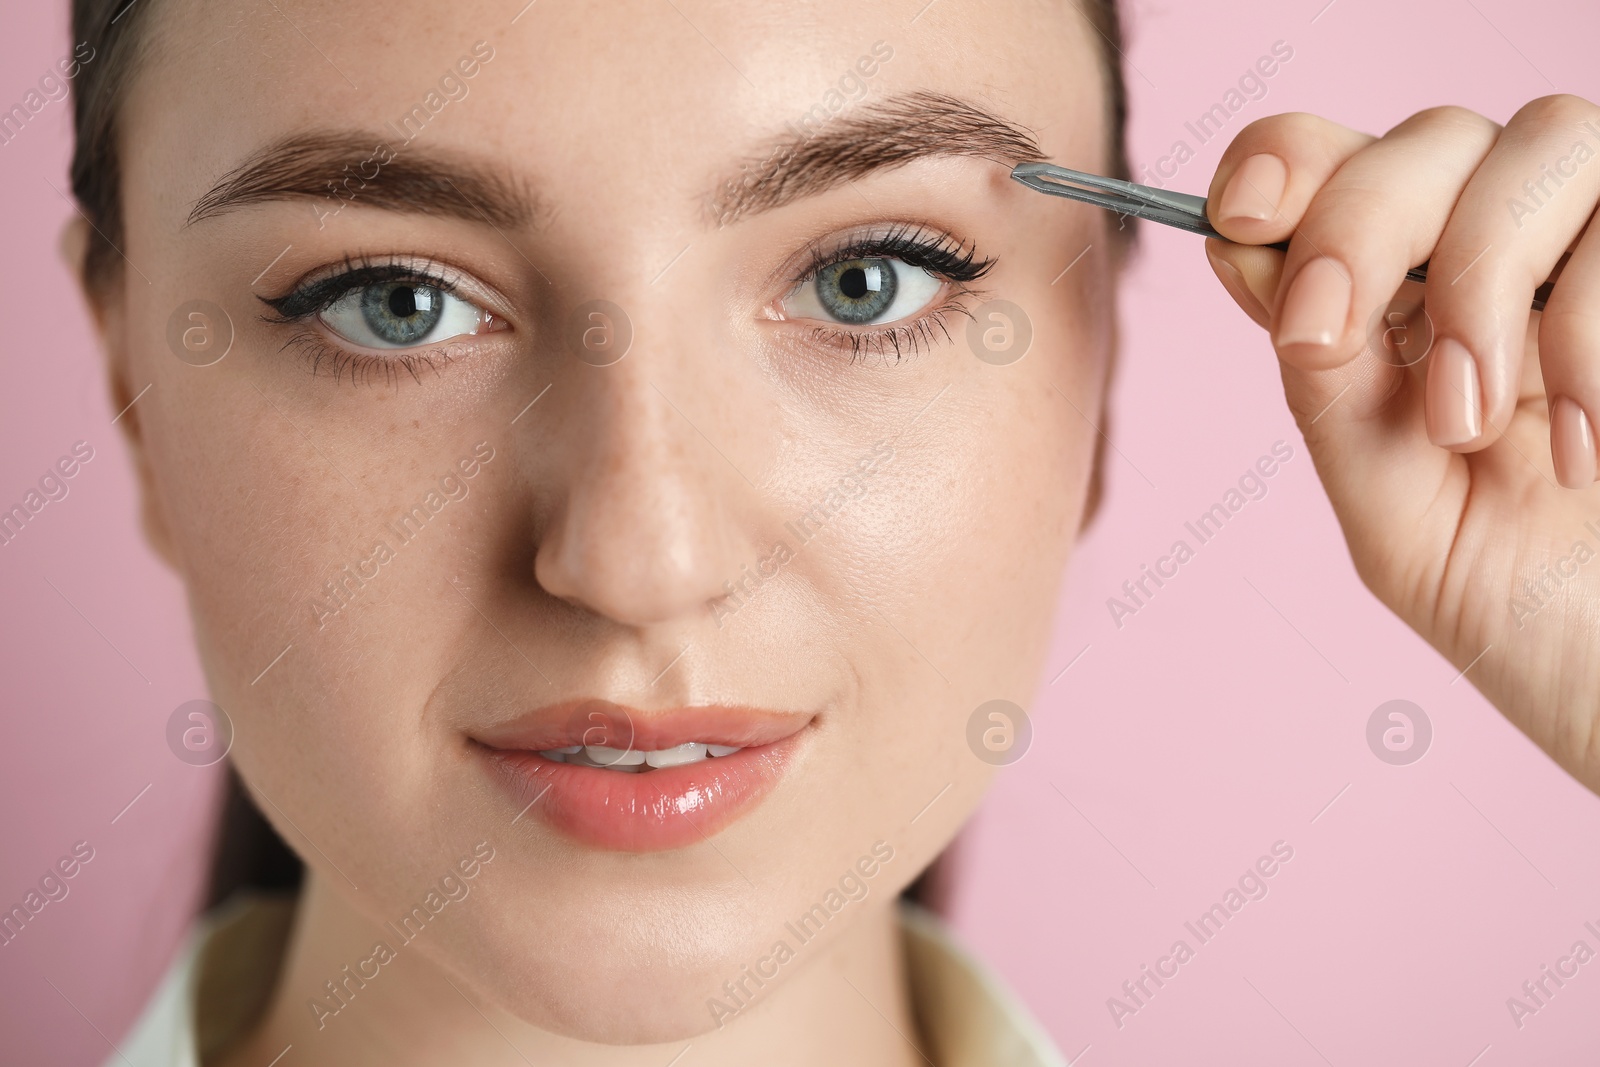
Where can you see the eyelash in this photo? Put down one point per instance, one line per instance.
(312, 298)
(938, 253)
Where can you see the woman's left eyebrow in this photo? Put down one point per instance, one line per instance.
(360, 168)
(880, 135)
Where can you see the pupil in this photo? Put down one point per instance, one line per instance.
(857, 290)
(401, 313)
(403, 301)
(853, 283)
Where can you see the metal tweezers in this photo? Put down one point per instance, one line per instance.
(1184, 211)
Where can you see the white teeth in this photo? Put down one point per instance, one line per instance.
(582, 759)
(691, 752)
(614, 757)
(620, 768)
(635, 760)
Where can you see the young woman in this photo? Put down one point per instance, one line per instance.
(608, 516)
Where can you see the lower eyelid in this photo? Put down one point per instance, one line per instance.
(899, 340)
(329, 356)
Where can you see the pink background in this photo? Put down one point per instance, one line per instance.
(1189, 741)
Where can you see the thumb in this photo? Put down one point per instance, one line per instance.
(1371, 385)
(1250, 274)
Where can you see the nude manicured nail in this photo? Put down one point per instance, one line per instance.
(1454, 399)
(1255, 189)
(1571, 444)
(1317, 306)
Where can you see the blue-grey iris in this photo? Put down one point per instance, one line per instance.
(856, 291)
(401, 313)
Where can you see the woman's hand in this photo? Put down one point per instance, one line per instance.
(1463, 478)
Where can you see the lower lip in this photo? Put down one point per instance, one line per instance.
(654, 810)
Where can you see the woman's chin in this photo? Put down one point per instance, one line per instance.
(619, 1003)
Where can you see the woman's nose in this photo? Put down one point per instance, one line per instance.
(647, 523)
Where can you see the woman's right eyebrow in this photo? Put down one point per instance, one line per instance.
(361, 168)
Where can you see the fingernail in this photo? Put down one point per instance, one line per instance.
(1454, 405)
(1318, 304)
(1234, 280)
(1254, 190)
(1571, 444)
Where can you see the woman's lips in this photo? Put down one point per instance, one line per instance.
(653, 809)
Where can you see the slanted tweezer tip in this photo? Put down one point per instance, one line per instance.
(1035, 175)
(1182, 210)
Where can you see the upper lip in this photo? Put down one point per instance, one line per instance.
(592, 721)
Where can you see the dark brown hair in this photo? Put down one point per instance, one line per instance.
(111, 28)
(248, 852)
(1105, 18)
(115, 30)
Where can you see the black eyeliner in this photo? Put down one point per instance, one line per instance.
(306, 300)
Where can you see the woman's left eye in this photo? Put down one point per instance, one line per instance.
(402, 314)
(863, 292)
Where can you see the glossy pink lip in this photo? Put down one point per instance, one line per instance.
(662, 808)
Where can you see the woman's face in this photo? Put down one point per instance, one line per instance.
(651, 414)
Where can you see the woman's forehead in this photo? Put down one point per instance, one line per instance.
(715, 94)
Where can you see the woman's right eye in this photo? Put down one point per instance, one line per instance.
(403, 314)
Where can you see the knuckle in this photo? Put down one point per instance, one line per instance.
(1277, 133)
(1570, 331)
(1557, 109)
(1348, 215)
(1353, 197)
(1449, 118)
(1290, 125)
